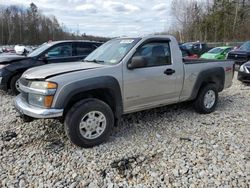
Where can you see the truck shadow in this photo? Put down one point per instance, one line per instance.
(54, 137)
(161, 114)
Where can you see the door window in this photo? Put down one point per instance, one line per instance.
(155, 53)
(84, 49)
(62, 50)
(227, 50)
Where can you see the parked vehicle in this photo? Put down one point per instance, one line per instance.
(8, 49)
(217, 53)
(22, 50)
(122, 76)
(197, 48)
(244, 72)
(187, 54)
(240, 55)
(13, 66)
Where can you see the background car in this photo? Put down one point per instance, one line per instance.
(187, 54)
(13, 66)
(197, 48)
(22, 50)
(217, 53)
(240, 55)
(244, 72)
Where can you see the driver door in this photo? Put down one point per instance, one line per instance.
(152, 85)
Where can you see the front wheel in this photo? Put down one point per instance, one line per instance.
(207, 99)
(89, 123)
(14, 84)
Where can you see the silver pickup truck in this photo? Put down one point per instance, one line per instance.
(122, 76)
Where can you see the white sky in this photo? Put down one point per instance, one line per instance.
(106, 17)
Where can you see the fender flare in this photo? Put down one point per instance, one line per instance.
(213, 75)
(104, 82)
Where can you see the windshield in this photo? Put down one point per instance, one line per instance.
(245, 46)
(187, 46)
(40, 49)
(112, 51)
(215, 51)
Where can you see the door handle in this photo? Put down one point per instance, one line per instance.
(169, 71)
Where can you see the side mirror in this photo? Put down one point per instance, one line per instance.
(44, 58)
(137, 62)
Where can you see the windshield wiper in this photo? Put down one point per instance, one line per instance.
(94, 60)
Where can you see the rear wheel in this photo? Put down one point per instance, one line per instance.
(207, 99)
(14, 84)
(89, 123)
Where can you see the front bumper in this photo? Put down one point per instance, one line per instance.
(26, 109)
(243, 77)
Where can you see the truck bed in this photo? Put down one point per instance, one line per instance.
(193, 69)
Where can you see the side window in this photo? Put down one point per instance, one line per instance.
(61, 50)
(184, 53)
(155, 53)
(84, 48)
(227, 50)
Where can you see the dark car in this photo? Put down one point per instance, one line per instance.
(197, 48)
(13, 66)
(240, 55)
(187, 54)
(244, 72)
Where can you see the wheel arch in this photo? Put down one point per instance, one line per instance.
(104, 88)
(211, 76)
(21, 71)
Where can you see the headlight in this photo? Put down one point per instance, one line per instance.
(43, 85)
(2, 66)
(40, 100)
(243, 69)
(41, 93)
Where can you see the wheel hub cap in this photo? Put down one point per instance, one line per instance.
(92, 125)
(17, 85)
(209, 99)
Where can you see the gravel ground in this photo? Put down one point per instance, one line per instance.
(165, 147)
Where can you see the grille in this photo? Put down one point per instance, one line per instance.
(24, 82)
(24, 96)
(238, 57)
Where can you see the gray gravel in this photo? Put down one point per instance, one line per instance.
(165, 147)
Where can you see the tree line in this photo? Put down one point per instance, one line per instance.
(20, 25)
(211, 20)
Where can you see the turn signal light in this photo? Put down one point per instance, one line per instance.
(48, 101)
(51, 85)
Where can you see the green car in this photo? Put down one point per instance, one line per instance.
(217, 53)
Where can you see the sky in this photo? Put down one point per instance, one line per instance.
(108, 18)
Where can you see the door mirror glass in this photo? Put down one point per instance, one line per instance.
(44, 58)
(137, 62)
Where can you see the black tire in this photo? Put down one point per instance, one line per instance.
(75, 115)
(13, 88)
(199, 103)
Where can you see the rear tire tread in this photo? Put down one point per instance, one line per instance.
(199, 102)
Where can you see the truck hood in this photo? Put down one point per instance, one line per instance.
(46, 71)
(8, 59)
